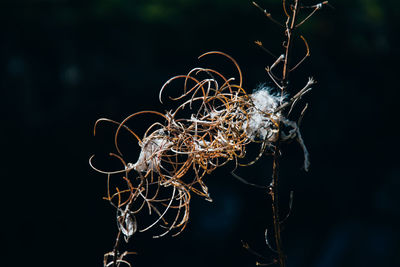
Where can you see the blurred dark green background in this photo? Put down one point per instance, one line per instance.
(65, 64)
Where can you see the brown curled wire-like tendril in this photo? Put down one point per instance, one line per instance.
(223, 119)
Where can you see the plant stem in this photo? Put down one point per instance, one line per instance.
(115, 250)
(275, 207)
(290, 26)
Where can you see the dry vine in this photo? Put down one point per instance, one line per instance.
(223, 120)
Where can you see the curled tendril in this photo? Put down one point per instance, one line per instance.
(224, 121)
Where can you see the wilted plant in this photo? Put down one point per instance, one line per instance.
(223, 119)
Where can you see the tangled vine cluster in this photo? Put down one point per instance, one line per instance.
(179, 150)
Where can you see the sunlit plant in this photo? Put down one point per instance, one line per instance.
(212, 123)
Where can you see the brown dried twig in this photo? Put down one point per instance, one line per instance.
(282, 82)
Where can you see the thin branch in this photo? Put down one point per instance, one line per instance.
(279, 60)
(309, 16)
(306, 56)
(268, 15)
(284, 9)
(269, 70)
(273, 77)
(267, 241)
(273, 189)
(247, 247)
(275, 207)
(302, 115)
(290, 207)
(248, 183)
(317, 5)
(315, 8)
(303, 91)
(266, 264)
(260, 44)
(115, 250)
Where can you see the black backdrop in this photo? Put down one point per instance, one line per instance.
(65, 64)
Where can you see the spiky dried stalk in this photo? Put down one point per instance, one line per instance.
(291, 11)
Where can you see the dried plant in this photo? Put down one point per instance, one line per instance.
(213, 121)
(291, 10)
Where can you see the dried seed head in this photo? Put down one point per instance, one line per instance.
(224, 119)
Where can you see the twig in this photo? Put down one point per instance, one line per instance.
(115, 250)
(245, 182)
(302, 92)
(318, 5)
(302, 115)
(290, 33)
(306, 56)
(267, 241)
(275, 207)
(246, 246)
(260, 44)
(273, 189)
(268, 15)
(290, 207)
(315, 8)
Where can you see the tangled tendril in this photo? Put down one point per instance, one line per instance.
(223, 120)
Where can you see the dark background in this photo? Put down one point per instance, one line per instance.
(65, 64)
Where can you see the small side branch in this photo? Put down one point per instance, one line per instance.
(306, 56)
(290, 208)
(302, 92)
(315, 8)
(246, 182)
(319, 5)
(280, 59)
(268, 15)
(260, 44)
